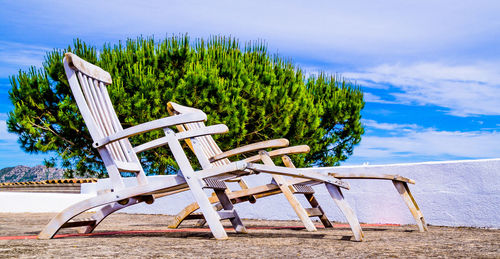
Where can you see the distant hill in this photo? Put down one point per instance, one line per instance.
(23, 173)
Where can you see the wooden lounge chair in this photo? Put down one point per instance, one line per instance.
(88, 85)
(210, 156)
(217, 158)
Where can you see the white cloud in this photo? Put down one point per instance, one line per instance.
(340, 29)
(371, 98)
(11, 153)
(413, 141)
(464, 89)
(21, 54)
(14, 56)
(4, 134)
(372, 124)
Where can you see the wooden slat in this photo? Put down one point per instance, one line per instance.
(372, 176)
(252, 147)
(195, 216)
(209, 147)
(210, 130)
(95, 118)
(174, 107)
(152, 125)
(91, 106)
(200, 154)
(106, 117)
(315, 204)
(204, 147)
(229, 170)
(114, 118)
(96, 109)
(226, 214)
(314, 212)
(253, 191)
(78, 223)
(282, 151)
(100, 111)
(298, 172)
(124, 143)
(221, 128)
(128, 167)
(76, 89)
(87, 68)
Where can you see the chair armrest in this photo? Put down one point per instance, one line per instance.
(280, 152)
(152, 125)
(252, 147)
(393, 177)
(210, 130)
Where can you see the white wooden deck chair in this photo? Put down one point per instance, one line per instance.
(211, 156)
(88, 85)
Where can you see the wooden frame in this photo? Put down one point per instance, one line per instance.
(211, 157)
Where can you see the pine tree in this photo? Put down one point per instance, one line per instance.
(257, 95)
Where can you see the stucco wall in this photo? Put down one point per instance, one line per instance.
(454, 193)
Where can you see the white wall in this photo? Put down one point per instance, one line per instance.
(38, 202)
(455, 193)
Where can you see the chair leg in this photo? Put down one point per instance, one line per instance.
(285, 189)
(202, 222)
(405, 193)
(188, 210)
(211, 215)
(105, 211)
(348, 212)
(195, 186)
(72, 211)
(315, 204)
(226, 204)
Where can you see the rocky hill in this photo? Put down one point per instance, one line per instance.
(23, 173)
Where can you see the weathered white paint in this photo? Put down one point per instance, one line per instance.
(454, 193)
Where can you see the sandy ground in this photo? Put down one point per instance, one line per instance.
(381, 241)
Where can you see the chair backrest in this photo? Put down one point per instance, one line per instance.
(207, 144)
(88, 85)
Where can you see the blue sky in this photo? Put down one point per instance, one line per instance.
(430, 70)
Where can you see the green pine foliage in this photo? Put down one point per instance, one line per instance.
(257, 95)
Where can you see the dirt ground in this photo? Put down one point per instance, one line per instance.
(380, 241)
